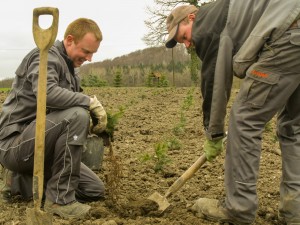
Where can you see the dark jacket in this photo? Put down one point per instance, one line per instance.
(63, 90)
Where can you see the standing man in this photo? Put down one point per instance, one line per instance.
(67, 180)
(258, 40)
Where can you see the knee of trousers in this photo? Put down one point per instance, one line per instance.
(93, 192)
(98, 191)
(81, 115)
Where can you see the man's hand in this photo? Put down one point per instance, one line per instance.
(98, 115)
(212, 148)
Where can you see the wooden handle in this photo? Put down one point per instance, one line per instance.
(44, 39)
(186, 175)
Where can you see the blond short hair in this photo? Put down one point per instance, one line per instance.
(80, 27)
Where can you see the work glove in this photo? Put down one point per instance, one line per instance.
(98, 115)
(103, 135)
(212, 148)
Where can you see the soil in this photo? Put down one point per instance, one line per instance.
(160, 119)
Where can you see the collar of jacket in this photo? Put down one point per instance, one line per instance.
(208, 25)
(62, 50)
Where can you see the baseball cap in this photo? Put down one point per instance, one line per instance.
(176, 16)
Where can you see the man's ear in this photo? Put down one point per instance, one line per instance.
(69, 39)
(191, 16)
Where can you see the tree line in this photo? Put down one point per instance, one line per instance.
(137, 69)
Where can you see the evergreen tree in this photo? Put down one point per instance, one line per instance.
(118, 79)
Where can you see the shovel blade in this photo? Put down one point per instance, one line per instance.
(37, 217)
(162, 201)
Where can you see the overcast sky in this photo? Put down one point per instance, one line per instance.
(121, 22)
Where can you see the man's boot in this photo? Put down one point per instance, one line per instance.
(69, 211)
(213, 210)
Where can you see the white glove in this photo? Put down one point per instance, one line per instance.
(98, 114)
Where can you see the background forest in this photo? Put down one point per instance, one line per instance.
(154, 66)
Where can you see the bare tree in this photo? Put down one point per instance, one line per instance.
(156, 23)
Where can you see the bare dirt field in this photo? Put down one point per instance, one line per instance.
(159, 136)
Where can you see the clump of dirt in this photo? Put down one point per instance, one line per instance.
(99, 212)
(135, 207)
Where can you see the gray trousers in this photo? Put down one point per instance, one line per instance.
(272, 86)
(66, 178)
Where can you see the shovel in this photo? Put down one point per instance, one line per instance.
(44, 39)
(162, 201)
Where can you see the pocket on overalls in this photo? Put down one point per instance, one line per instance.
(257, 86)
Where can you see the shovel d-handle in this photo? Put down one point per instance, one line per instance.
(44, 39)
